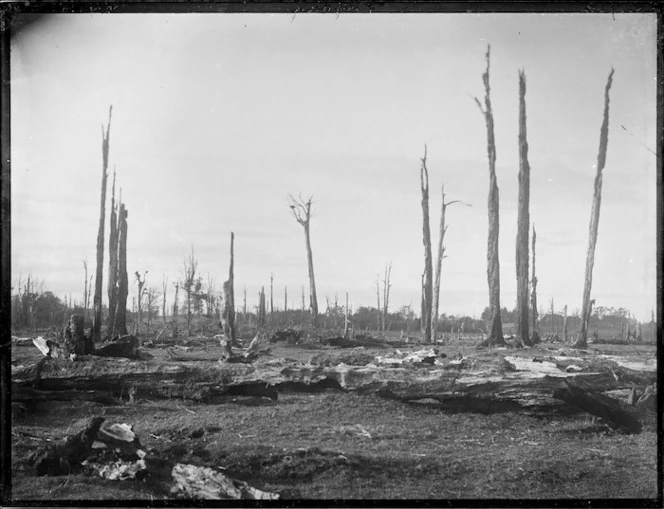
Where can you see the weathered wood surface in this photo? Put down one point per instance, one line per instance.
(524, 383)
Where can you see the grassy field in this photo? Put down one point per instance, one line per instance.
(343, 445)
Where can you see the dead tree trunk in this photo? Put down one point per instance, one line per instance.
(441, 254)
(553, 327)
(535, 338)
(112, 263)
(377, 304)
(174, 321)
(427, 280)
(96, 328)
(271, 296)
(346, 319)
(582, 340)
(85, 290)
(386, 293)
(302, 213)
(495, 332)
(229, 299)
(141, 288)
(261, 308)
(123, 281)
(523, 223)
(164, 289)
(565, 323)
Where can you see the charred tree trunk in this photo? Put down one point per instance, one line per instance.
(229, 299)
(582, 340)
(535, 338)
(523, 222)
(96, 328)
(495, 333)
(427, 276)
(302, 213)
(123, 281)
(261, 308)
(112, 264)
(75, 341)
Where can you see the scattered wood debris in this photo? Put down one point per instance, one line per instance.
(204, 483)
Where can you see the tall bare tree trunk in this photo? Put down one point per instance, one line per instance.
(120, 327)
(261, 308)
(427, 276)
(377, 304)
(96, 328)
(174, 321)
(139, 299)
(386, 293)
(346, 322)
(523, 223)
(285, 300)
(565, 323)
(85, 290)
(164, 288)
(553, 328)
(271, 296)
(302, 213)
(112, 263)
(495, 333)
(535, 338)
(582, 340)
(229, 299)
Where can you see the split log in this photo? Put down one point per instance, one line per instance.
(615, 412)
(477, 383)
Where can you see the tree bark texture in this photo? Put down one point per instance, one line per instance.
(495, 333)
(427, 276)
(582, 340)
(112, 264)
(439, 261)
(523, 222)
(123, 280)
(96, 328)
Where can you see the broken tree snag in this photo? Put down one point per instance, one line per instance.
(615, 412)
(495, 333)
(302, 212)
(229, 300)
(427, 275)
(63, 459)
(523, 223)
(535, 337)
(96, 327)
(582, 340)
(74, 337)
(123, 280)
(112, 264)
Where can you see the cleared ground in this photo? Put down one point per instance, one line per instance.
(335, 444)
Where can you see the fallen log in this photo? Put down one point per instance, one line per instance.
(479, 383)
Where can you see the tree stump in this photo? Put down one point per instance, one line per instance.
(75, 340)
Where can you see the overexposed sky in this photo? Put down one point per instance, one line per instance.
(217, 117)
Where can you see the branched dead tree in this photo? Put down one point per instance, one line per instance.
(188, 283)
(523, 223)
(139, 298)
(113, 262)
(164, 288)
(582, 340)
(427, 276)
(174, 320)
(535, 337)
(261, 308)
(495, 332)
(386, 293)
(302, 213)
(441, 255)
(86, 298)
(120, 326)
(96, 328)
(378, 304)
(229, 299)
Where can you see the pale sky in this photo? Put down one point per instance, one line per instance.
(217, 117)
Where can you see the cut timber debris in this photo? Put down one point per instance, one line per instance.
(203, 483)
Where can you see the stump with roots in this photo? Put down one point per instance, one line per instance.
(75, 340)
